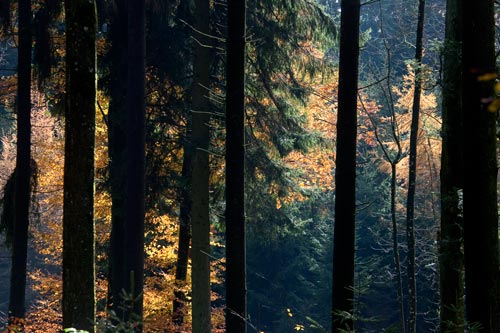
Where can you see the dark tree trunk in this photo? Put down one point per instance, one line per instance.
(22, 173)
(179, 304)
(78, 220)
(345, 173)
(117, 136)
(135, 188)
(410, 203)
(236, 312)
(480, 167)
(200, 276)
(395, 244)
(450, 240)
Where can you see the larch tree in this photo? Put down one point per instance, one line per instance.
(135, 185)
(200, 221)
(78, 301)
(451, 261)
(22, 188)
(345, 173)
(236, 311)
(412, 173)
(480, 207)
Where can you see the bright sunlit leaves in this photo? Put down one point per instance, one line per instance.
(299, 327)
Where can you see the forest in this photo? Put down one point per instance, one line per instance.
(267, 166)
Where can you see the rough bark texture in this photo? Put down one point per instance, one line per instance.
(451, 261)
(117, 136)
(412, 174)
(200, 275)
(236, 312)
(480, 168)
(78, 221)
(22, 176)
(345, 173)
(135, 191)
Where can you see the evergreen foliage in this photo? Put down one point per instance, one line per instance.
(44, 22)
(5, 14)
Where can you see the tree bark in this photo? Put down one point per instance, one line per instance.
(412, 176)
(450, 240)
(480, 168)
(236, 311)
(200, 173)
(345, 173)
(17, 308)
(117, 136)
(78, 219)
(179, 306)
(395, 244)
(135, 186)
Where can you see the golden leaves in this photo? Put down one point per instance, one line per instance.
(487, 77)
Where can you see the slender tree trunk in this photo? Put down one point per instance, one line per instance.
(179, 306)
(17, 308)
(78, 220)
(135, 188)
(395, 246)
(236, 311)
(450, 240)
(410, 203)
(200, 173)
(117, 136)
(345, 173)
(480, 167)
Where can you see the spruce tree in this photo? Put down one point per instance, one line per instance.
(451, 259)
(78, 220)
(345, 173)
(17, 303)
(236, 312)
(117, 137)
(480, 208)
(135, 188)
(200, 172)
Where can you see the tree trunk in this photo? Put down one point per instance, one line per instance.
(135, 188)
(480, 168)
(200, 173)
(395, 244)
(345, 174)
(410, 203)
(450, 240)
(117, 136)
(22, 176)
(179, 306)
(236, 311)
(78, 219)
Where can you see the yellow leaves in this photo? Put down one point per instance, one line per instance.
(494, 106)
(297, 327)
(406, 91)
(487, 77)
